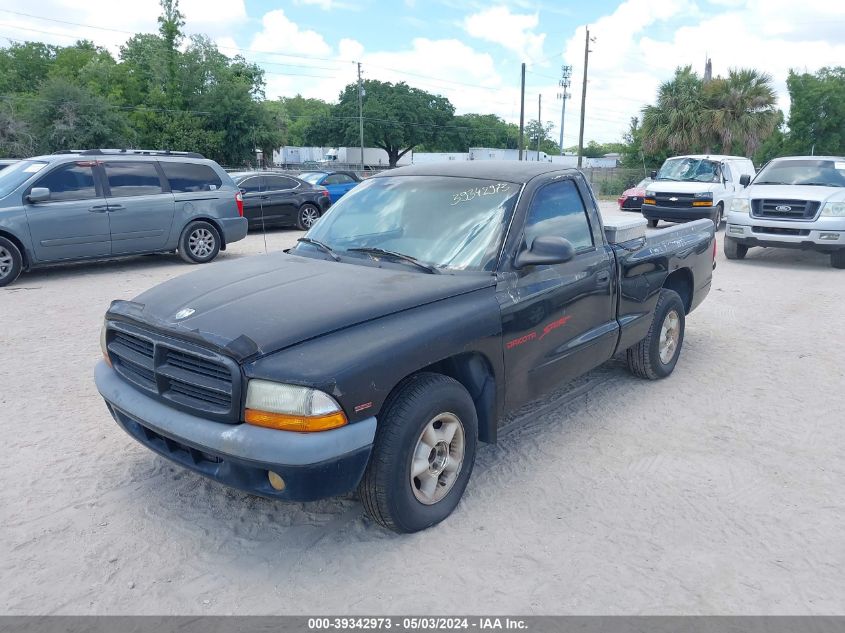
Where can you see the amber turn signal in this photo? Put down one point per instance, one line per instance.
(298, 423)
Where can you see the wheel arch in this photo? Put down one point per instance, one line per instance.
(681, 281)
(212, 222)
(14, 239)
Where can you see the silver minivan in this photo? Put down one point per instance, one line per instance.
(98, 204)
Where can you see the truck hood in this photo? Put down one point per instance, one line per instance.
(681, 186)
(262, 304)
(794, 192)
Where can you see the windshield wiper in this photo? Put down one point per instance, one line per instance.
(769, 182)
(374, 250)
(323, 247)
(820, 184)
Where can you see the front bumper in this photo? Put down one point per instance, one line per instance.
(313, 465)
(823, 234)
(677, 214)
(234, 229)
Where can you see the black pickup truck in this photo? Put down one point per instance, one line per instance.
(379, 351)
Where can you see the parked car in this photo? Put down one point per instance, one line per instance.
(278, 199)
(694, 187)
(632, 199)
(98, 204)
(337, 182)
(794, 202)
(5, 162)
(393, 338)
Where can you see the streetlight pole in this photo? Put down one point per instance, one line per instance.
(584, 97)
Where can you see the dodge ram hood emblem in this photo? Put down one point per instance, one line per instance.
(183, 313)
(783, 207)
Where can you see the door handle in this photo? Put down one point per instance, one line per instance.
(100, 208)
(116, 207)
(603, 277)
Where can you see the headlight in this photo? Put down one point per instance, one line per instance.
(290, 407)
(103, 345)
(834, 210)
(741, 205)
(649, 194)
(704, 195)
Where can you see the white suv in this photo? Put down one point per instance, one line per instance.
(794, 202)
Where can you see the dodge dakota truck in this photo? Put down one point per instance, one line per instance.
(379, 351)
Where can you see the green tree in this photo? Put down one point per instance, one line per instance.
(674, 123)
(293, 115)
(817, 112)
(534, 131)
(170, 24)
(397, 118)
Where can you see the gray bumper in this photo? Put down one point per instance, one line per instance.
(234, 229)
(314, 465)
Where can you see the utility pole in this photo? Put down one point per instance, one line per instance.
(540, 131)
(361, 114)
(584, 96)
(565, 76)
(522, 112)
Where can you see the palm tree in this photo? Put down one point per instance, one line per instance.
(740, 110)
(674, 123)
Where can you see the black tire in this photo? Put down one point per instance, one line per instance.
(653, 223)
(386, 488)
(200, 243)
(733, 249)
(644, 358)
(307, 216)
(837, 260)
(717, 216)
(11, 262)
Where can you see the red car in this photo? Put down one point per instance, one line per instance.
(632, 199)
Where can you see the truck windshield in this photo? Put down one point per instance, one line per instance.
(444, 222)
(804, 171)
(689, 169)
(15, 174)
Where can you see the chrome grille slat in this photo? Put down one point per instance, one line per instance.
(783, 209)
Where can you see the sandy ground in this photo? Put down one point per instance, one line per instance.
(718, 490)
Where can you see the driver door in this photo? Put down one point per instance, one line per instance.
(559, 320)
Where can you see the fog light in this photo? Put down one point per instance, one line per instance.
(276, 480)
(736, 229)
(829, 236)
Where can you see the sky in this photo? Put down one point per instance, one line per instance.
(471, 51)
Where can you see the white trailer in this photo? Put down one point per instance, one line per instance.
(373, 157)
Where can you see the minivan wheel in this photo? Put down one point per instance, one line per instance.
(423, 454)
(11, 262)
(837, 260)
(308, 215)
(200, 243)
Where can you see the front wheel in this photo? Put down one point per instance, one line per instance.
(837, 260)
(308, 215)
(200, 243)
(718, 215)
(423, 454)
(11, 262)
(733, 249)
(657, 354)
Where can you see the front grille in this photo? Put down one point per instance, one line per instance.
(187, 376)
(774, 230)
(784, 209)
(674, 200)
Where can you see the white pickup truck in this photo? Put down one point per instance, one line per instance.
(794, 202)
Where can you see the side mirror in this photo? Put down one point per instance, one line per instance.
(545, 249)
(38, 194)
(745, 180)
(653, 174)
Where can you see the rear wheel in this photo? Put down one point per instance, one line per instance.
(308, 215)
(200, 243)
(11, 262)
(837, 259)
(733, 249)
(423, 454)
(657, 354)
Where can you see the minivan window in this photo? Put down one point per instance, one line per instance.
(557, 209)
(132, 179)
(73, 181)
(190, 177)
(17, 173)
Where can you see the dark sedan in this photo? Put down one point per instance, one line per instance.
(280, 200)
